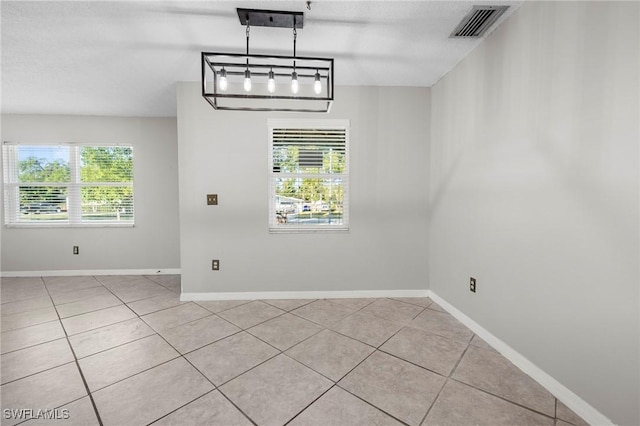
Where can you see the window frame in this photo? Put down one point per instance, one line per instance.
(10, 185)
(275, 228)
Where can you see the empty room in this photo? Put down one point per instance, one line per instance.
(326, 213)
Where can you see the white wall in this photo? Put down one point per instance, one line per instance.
(154, 241)
(225, 152)
(534, 191)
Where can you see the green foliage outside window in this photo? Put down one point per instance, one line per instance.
(106, 164)
(287, 160)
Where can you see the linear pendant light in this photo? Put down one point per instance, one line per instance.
(248, 82)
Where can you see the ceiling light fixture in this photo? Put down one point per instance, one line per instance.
(271, 83)
(223, 80)
(246, 82)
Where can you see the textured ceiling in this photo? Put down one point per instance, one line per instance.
(124, 58)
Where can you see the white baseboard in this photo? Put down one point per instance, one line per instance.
(90, 272)
(302, 295)
(557, 389)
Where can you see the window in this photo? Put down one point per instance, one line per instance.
(68, 185)
(309, 169)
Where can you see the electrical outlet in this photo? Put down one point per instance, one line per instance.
(212, 199)
(472, 284)
(76, 250)
(215, 265)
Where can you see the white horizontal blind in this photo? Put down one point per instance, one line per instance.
(68, 185)
(309, 175)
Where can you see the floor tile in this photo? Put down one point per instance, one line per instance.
(245, 316)
(34, 359)
(323, 312)
(26, 319)
(367, 328)
(151, 394)
(490, 371)
(477, 341)
(120, 280)
(565, 413)
(138, 376)
(393, 310)
(432, 352)
(395, 386)
(49, 389)
(419, 301)
(171, 282)
(215, 306)
(91, 304)
(435, 307)
(338, 407)
(19, 289)
(89, 321)
(79, 413)
(61, 297)
(173, 317)
(196, 334)
(288, 304)
(354, 303)
(459, 404)
(19, 281)
(34, 335)
(70, 283)
(285, 331)
(113, 365)
(100, 339)
(442, 324)
(28, 305)
(230, 357)
(330, 354)
(156, 303)
(130, 292)
(212, 409)
(274, 392)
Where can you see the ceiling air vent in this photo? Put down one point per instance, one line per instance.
(478, 21)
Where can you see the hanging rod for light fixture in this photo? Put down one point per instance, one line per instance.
(249, 82)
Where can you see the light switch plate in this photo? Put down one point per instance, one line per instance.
(212, 199)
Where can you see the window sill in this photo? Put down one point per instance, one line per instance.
(307, 230)
(51, 225)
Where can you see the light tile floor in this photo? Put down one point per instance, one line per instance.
(124, 350)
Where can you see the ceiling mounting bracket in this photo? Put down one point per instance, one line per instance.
(271, 18)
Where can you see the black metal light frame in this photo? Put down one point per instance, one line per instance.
(235, 65)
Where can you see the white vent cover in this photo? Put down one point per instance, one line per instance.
(478, 21)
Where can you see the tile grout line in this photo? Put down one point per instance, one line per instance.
(288, 310)
(533, 410)
(323, 327)
(215, 387)
(4, 318)
(84, 380)
(180, 355)
(447, 378)
(469, 345)
(41, 371)
(433, 403)
(35, 344)
(370, 404)
(309, 405)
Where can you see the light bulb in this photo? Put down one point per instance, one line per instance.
(222, 84)
(247, 80)
(317, 85)
(294, 82)
(271, 84)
